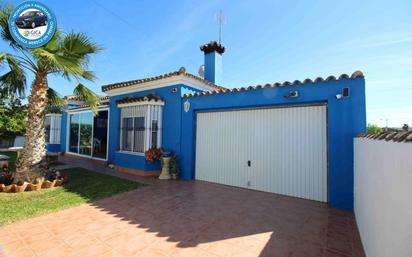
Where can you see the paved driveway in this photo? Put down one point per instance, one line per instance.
(174, 218)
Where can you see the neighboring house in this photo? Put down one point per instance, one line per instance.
(292, 138)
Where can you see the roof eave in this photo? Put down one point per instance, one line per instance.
(172, 80)
(355, 75)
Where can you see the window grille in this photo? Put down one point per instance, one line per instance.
(140, 128)
(52, 128)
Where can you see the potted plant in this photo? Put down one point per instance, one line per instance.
(48, 184)
(174, 167)
(36, 185)
(51, 177)
(153, 154)
(59, 181)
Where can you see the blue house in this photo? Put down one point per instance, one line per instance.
(291, 138)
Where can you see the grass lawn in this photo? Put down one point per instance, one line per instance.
(84, 186)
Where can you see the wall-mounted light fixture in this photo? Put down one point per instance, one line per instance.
(186, 106)
(292, 94)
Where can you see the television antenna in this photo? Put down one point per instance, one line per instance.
(220, 19)
(386, 121)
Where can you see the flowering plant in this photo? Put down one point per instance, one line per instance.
(153, 154)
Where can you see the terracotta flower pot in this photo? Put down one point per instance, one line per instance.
(59, 182)
(33, 187)
(21, 187)
(48, 184)
(9, 188)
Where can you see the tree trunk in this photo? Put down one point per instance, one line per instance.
(32, 159)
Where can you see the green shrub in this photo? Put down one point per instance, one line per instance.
(372, 129)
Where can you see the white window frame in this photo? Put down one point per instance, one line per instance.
(55, 127)
(149, 111)
(68, 133)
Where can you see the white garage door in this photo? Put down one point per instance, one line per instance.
(279, 150)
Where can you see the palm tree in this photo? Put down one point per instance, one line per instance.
(65, 55)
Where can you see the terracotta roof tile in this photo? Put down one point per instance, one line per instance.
(103, 101)
(181, 71)
(356, 74)
(149, 97)
(77, 98)
(212, 46)
(402, 136)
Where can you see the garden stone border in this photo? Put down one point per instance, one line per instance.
(46, 184)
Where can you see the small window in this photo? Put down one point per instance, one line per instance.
(140, 128)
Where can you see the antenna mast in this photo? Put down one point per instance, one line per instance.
(221, 20)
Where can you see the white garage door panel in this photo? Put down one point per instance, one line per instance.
(286, 147)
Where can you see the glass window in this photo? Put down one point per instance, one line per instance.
(100, 135)
(74, 133)
(86, 130)
(139, 134)
(47, 128)
(144, 122)
(127, 132)
(52, 129)
(87, 134)
(154, 130)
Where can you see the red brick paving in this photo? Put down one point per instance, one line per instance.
(188, 218)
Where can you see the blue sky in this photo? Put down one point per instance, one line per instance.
(266, 41)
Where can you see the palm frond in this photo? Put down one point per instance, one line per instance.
(88, 96)
(69, 66)
(4, 26)
(13, 82)
(79, 44)
(67, 55)
(55, 98)
(54, 44)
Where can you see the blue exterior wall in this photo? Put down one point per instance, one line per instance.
(346, 118)
(53, 148)
(170, 132)
(214, 68)
(63, 133)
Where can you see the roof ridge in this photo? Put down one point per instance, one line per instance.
(399, 136)
(181, 71)
(131, 99)
(78, 98)
(356, 74)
